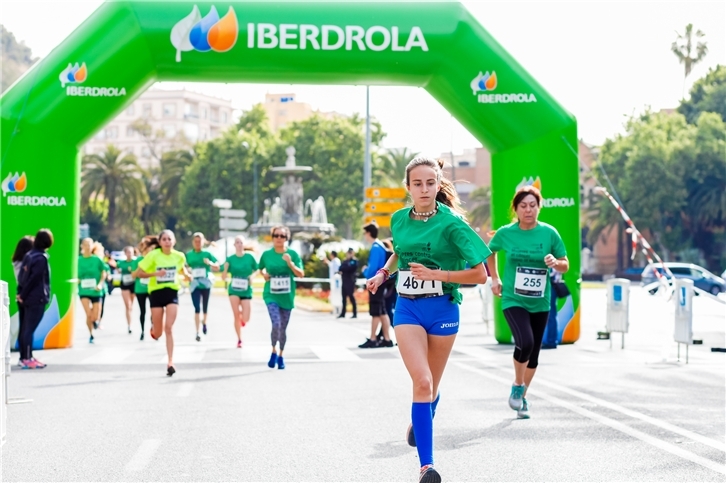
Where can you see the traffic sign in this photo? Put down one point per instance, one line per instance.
(384, 207)
(230, 234)
(379, 220)
(218, 203)
(233, 223)
(233, 213)
(386, 193)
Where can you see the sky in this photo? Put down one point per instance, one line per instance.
(602, 60)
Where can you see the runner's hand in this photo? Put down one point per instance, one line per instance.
(286, 257)
(550, 260)
(160, 273)
(496, 287)
(266, 276)
(206, 261)
(420, 272)
(99, 287)
(373, 283)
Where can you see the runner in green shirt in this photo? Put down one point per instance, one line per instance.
(199, 262)
(531, 249)
(164, 266)
(240, 266)
(126, 268)
(91, 279)
(432, 243)
(279, 266)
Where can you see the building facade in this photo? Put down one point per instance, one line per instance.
(184, 117)
(283, 109)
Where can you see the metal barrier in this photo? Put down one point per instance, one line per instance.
(618, 308)
(487, 302)
(5, 339)
(683, 332)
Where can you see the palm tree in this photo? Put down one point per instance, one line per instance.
(684, 48)
(481, 211)
(115, 176)
(173, 167)
(153, 216)
(390, 167)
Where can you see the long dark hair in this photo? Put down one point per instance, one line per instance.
(447, 194)
(24, 245)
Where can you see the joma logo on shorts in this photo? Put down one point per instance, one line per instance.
(449, 325)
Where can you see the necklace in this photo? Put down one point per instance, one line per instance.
(426, 215)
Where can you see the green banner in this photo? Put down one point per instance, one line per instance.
(124, 47)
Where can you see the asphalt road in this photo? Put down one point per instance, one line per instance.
(107, 412)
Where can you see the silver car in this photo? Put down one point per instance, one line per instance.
(701, 277)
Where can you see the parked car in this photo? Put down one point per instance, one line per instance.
(701, 277)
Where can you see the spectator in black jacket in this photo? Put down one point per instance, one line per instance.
(348, 271)
(34, 294)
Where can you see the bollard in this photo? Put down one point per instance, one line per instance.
(683, 332)
(335, 297)
(618, 307)
(5, 340)
(487, 302)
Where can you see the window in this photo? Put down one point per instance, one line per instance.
(145, 152)
(204, 113)
(112, 132)
(464, 164)
(287, 99)
(130, 110)
(146, 110)
(101, 134)
(214, 115)
(191, 111)
(168, 109)
(191, 131)
(224, 117)
(169, 130)
(130, 132)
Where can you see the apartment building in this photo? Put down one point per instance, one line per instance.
(184, 117)
(282, 109)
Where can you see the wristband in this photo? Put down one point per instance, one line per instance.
(385, 272)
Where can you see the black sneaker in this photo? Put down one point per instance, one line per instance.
(342, 316)
(368, 344)
(354, 316)
(170, 371)
(385, 343)
(142, 335)
(429, 475)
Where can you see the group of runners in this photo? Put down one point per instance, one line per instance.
(434, 252)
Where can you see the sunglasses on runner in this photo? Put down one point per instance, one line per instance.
(277, 235)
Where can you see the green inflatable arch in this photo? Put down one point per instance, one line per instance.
(125, 46)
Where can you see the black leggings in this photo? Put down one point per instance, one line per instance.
(200, 295)
(103, 304)
(349, 296)
(32, 315)
(528, 329)
(142, 297)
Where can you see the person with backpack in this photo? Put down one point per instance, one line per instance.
(377, 259)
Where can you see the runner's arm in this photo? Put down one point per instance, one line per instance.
(476, 274)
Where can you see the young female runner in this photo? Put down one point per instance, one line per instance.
(91, 281)
(241, 266)
(127, 267)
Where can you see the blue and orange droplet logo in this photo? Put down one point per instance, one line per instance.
(484, 82)
(204, 34)
(14, 183)
(73, 74)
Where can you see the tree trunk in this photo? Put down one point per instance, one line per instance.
(111, 223)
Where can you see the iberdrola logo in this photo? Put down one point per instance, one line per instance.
(73, 74)
(537, 183)
(14, 183)
(204, 34)
(484, 82)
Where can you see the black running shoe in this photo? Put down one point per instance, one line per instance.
(204, 329)
(385, 343)
(129, 330)
(198, 338)
(170, 371)
(410, 436)
(142, 335)
(429, 475)
(368, 344)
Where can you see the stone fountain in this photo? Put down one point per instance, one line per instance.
(288, 208)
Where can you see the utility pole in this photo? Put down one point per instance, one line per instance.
(367, 155)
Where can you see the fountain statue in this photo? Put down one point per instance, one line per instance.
(288, 208)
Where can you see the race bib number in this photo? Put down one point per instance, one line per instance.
(280, 285)
(127, 279)
(412, 287)
(240, 283)
(169, 277)
(199, 272)
(89, 283)
(530, 282)
(144, 281)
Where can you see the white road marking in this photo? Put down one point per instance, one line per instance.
(109, 356)
(143, 455)
(719, 445)
(617, 425)
(185, 389)
(334, 353)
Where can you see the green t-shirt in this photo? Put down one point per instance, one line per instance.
(126, 268)
(89, 274)
(195, 260)
(157, 260)
(280, 289)
(240, 269)
(445, 242)
(526, 281)
(141, 285)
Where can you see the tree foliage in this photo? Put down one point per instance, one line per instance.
(16, 58)
(689, 49)
(708, 94)
(389, 167)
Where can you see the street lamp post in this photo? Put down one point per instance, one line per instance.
(246, 145)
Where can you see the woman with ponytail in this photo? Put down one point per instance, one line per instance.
(200, 261)
(432, 244)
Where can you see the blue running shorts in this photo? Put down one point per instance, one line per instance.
(437, 315)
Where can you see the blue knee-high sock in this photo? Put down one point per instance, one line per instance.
(423, 430)
(434, 404)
